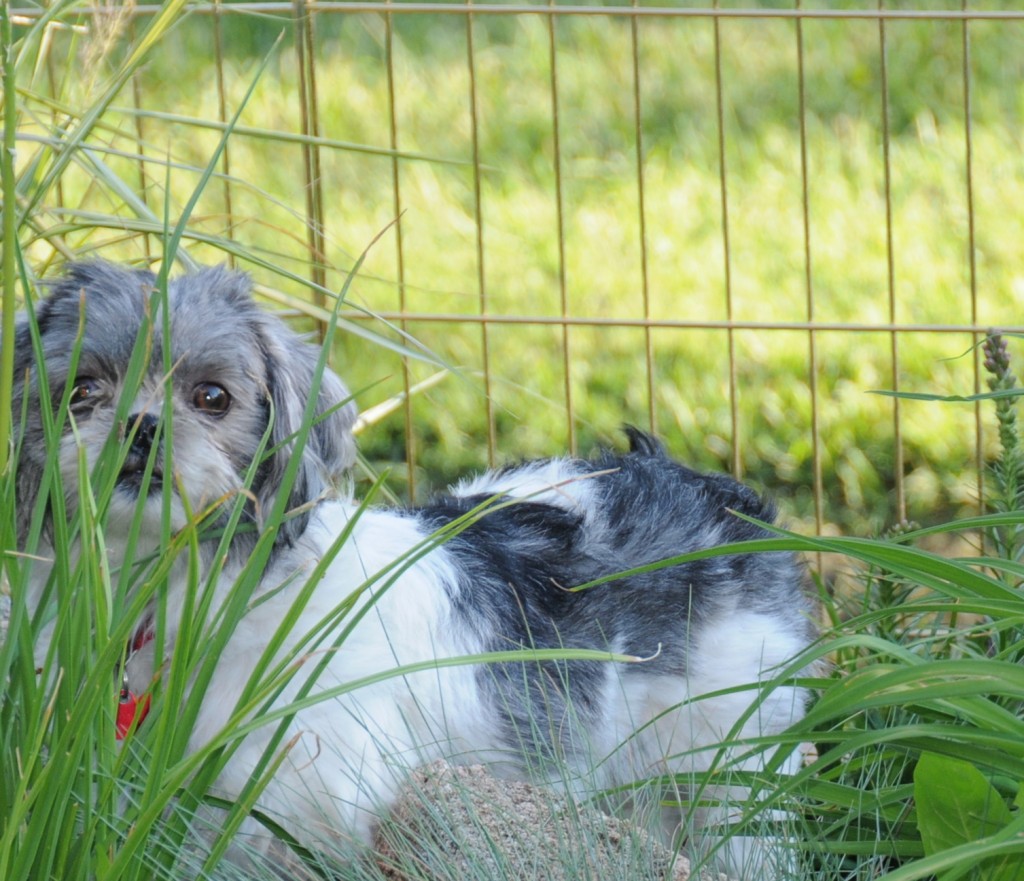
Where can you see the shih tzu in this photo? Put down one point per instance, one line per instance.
(219, 420)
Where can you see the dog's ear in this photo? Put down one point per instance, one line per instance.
(100, 283)
(106, 288)
(329, 451)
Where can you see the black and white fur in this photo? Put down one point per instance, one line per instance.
(502, 582)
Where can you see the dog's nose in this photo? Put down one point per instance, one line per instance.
(145, 431)
(145, 425)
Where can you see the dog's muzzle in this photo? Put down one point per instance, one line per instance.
(139, 452)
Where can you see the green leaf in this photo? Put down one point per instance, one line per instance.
(957, 805)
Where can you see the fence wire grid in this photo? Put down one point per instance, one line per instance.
(730, 225)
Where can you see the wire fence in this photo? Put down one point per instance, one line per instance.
(728, 224)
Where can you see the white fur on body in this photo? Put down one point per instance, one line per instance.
(351, 752)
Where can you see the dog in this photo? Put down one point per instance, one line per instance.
(228, 415)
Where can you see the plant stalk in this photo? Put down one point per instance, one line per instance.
(8, 242)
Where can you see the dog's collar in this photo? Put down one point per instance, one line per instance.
(132, 708)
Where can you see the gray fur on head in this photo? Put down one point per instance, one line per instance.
(233, 372)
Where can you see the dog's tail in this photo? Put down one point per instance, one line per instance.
(642, 443)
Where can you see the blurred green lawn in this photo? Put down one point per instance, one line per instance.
(523, 271)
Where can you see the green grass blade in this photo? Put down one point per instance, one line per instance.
(77, 137)
(9, 237)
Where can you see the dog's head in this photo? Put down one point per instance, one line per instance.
(236, 378)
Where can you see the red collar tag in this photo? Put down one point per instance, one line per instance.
(131, 710)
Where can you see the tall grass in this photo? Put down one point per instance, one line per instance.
(75, 804)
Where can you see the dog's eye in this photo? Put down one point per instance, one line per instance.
(85, 390)
(208, 397)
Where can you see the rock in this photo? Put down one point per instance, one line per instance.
(459, 823)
